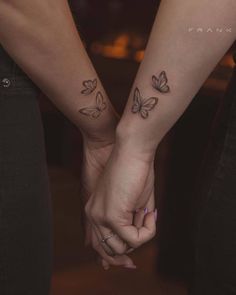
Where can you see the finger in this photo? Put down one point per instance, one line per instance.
(141, 212)
(134, 236)
(151, 202)
(151, 205)
(130, 251)
(104, 245)
(139, 217)
(123, 260)
(117, 245)
(99, 249)
(105, 264)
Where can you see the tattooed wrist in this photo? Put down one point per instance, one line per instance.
(103, 132)
(95, 111)
(100, 105)
(143, 106)
(128, 140)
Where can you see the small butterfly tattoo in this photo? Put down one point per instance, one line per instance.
(95, 112)
(143, 106)
(160, 83)
(90, 86)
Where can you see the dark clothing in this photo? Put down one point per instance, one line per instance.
(216, 237)
(25, 215)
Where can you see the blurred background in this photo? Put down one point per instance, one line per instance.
(115, 33)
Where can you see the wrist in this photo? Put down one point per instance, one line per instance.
(130, 140)
(97, 140)
(102, 133)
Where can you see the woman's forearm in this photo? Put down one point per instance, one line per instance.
(42, 38)
(178, 59)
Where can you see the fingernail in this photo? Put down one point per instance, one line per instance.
(137, 210)
(106, 267)
(155, 214)
(145, 211)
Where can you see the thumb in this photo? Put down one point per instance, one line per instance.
(134, 236)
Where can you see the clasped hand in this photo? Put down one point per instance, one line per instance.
(118, 186)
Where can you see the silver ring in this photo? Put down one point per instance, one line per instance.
(104, 240)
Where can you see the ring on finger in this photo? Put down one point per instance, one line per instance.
(105, 239)
(113, 244)
(107, 249)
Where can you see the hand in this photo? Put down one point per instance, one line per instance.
(126, 185)
(94, 160)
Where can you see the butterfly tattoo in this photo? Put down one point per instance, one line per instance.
(143, 106)
(95, 112)
(160, 83)
(89, 86)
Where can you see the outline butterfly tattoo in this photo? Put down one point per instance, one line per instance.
(160, 83)
(143, 106)
(90, 86)
(95, 112)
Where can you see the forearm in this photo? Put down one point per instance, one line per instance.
(186, 56)
(42, 38)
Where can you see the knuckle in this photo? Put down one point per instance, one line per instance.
(92, 215)
(109, 219)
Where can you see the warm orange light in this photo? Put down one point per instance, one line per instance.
(118, 49)
(122, 40)
(124, 46)
(139, 55)
(115, 51)
(228, 61)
